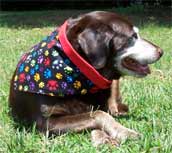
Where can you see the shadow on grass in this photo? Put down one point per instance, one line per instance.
(38, 19)
(132, 117)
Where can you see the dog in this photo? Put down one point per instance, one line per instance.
(100, 46)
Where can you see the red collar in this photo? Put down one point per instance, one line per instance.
(89, 71)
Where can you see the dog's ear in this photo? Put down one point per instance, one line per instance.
(91, 38)
(95, 45)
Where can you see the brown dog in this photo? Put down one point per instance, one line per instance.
(102, 44)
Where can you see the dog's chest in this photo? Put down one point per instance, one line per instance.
(47, 70)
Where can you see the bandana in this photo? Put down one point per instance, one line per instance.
(54, 68)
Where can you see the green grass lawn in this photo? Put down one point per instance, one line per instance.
(149, 99)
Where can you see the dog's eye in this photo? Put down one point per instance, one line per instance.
(130, 41)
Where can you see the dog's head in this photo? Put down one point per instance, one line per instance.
(112, 44)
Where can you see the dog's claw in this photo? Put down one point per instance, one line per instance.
(99, 137)
(119, 109)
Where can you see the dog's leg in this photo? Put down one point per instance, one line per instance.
(90, 120)
(115, 106)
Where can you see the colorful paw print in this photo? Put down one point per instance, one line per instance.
(59, 76)
(37, 77)
(40, 59)
(28, 77)
(28, 59)
(26, 69)
(83, 91)
(20, 87)
(40, 51)
(36, 67)
(22, 77)
(34, 53)
(41, 84)
(31, 85)
(52, 85)
(55, 53)
(33, 62)
(77, 84)
(69, 79)
(32, 71)
(21, 67)
(55, 64)
(26, 88)
(47, 61)
(64, 85)
(47, 73)
(46, 53)
(68, 70)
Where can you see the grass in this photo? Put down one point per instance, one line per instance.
(149, 99)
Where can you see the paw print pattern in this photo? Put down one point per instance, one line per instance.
(27, 69)
(40, 59)
(64, 85)
(26, 88)
(47, 73)
(59, 76)
(22, 77)
(47, 70)
(47, 61)
(41, 84)
(32, 64)
(68, 70)
(37, 77)
(77, 84)
(21, 67)
(52, 85)
(69, 79)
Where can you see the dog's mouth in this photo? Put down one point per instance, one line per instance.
(133, 65)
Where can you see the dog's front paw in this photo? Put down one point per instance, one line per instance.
(118, 109)
(99, 137)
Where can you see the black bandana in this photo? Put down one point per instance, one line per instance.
(46, 69)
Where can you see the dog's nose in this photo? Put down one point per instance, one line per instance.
(160, 52)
